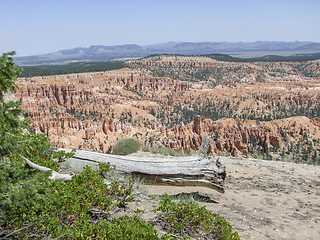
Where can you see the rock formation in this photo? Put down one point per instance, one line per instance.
(243, 116)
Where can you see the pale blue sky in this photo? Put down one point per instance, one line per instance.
(33, 27)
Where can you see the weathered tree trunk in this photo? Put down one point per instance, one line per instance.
(54, 175)
(196, 170)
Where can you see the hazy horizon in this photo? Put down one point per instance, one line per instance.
(39, 27)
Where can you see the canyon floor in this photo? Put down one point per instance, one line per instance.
(263, 199)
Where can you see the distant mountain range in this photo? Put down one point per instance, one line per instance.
(107, 53)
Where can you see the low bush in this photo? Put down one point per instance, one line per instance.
(58, 208)
(168, 152)
(186, 218)
(126, 146)
(145, 149)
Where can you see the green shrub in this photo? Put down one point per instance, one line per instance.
(59, 207)
(145, 149)
(167, 152)
(188, 217)
(126, 146)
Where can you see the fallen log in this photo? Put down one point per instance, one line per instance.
(54, 175)
(196, 170)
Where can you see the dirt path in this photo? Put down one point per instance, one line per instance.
(265, 199)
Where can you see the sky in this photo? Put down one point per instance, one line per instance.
(33, 27)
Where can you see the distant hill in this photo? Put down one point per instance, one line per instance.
(312, 46)
(108, 53)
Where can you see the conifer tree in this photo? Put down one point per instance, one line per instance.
(10, 111)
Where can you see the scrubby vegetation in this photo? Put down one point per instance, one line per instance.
(126, 146)
(165, 151)
(168, 152)
(58, 208)
(189, 217)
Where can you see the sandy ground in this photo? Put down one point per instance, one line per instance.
(265, 199)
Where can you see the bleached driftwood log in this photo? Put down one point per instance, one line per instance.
(54, 175)
(196, 170)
